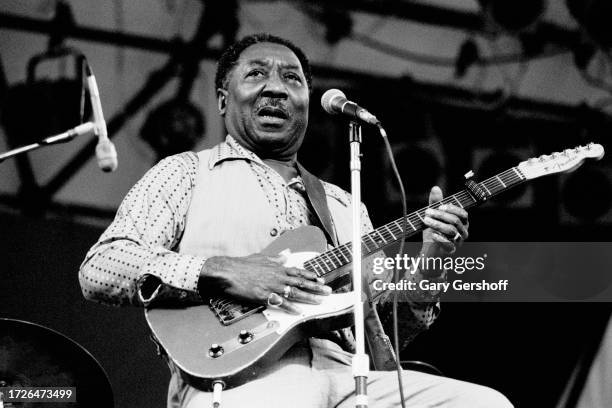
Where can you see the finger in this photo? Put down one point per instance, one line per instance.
(444, 216)
(446, 244)
(290, 307)
(276, 301)
(302, 273)
(435, 195)
(298, 295)
(456, 210)
(448, 218)
(449, 209)
(440, 227)
(463, 216)
(309, 286)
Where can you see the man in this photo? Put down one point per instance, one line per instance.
(192, 228)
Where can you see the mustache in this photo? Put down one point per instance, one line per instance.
(272, 103)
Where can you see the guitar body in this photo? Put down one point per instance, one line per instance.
(187, 334)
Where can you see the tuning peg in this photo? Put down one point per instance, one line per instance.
(469, 175)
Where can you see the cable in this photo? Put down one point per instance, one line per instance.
(395, 269)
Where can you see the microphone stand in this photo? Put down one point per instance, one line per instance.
(361, 361)
(82, 129)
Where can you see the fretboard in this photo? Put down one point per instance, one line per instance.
(392, 232)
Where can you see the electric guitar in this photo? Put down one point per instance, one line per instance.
(228, 341)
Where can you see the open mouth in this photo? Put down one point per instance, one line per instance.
(272, 112)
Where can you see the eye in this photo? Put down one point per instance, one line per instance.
(255, 73)
(292, 76)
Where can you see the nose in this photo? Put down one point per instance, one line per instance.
(275, 87)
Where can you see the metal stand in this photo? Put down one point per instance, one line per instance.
(361, 361)
(82, 129)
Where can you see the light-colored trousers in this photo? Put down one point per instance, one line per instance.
(317, 374)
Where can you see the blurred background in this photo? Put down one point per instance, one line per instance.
(459, 84)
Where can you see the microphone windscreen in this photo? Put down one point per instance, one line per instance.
(106, 155)
(328, 97)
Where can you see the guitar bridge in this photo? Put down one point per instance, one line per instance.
(229, 311)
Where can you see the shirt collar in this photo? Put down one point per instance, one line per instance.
(230, 149)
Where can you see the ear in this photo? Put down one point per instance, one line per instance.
(221, 100)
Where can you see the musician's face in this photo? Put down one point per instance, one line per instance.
(265, 103)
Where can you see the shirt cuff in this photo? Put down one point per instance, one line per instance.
(151, 290)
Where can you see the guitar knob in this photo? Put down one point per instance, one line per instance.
(215, 350)
(245, 336)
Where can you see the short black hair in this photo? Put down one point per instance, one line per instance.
(230, 57)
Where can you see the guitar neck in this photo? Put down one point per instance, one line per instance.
(390, 233)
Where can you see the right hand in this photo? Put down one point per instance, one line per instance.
(255, 277)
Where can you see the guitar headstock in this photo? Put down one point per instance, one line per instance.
(560, 162)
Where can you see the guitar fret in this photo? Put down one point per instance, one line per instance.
(365, 244)
(509, 180)
(390, 232)
(381, 237)
(458, 202)
(328, 259)
(315, 264)
(500, 180)
(411, 224)
(323, 263)
(346, 258)
(495, 185)
(333, 252)
(485, 187)
(469, 200)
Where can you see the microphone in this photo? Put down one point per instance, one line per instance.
(105, 149)
(334, 102)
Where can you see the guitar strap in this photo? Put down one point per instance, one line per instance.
(318, 201)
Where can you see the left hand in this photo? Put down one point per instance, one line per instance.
(447, 226)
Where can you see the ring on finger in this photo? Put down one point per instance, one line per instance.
(287, 291)
(274, 300)
(457, 236)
